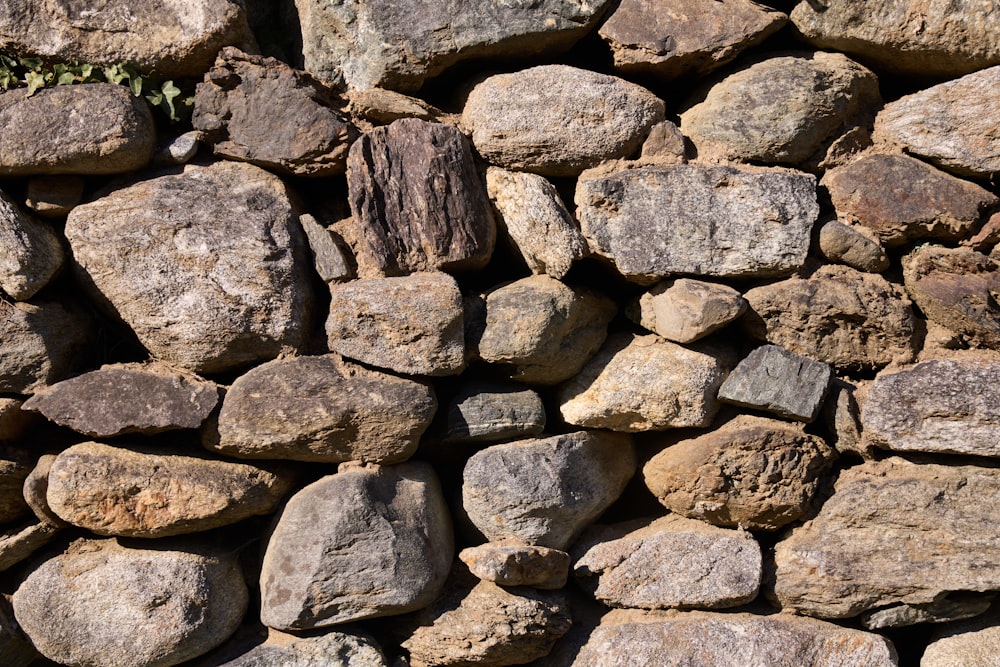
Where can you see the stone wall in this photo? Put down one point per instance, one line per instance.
(660, 332)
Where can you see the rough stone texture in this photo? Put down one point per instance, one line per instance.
(546, 491)
(843, 317)
(842, 415)
(260, 110)
(909, 37)
(410, 324)
(366, 542)
(54, 196)
(558, 120)
(15, 649)
(36, 488)
(417, 200)
(104, 603)
(952, 124)
(329, 258)
(330, 649)
(678, 639)
(901, 199)
(177, 150)
(20, 542)
(14, 422)
(669, 39)
(956, 288)
(664, 142)
(669, 562)
(685, 310)
(751, 472)
(155, 492)
(381, 107)
(536, 221)
(209, 271)
(42, 342)
(323, 409)
(785, 109)
(987, 237)
(30, 251)
(15, 464)
(127, 398)
(943, 406)
(951, 607)
(775, 380)
(974, 643)
(925, 531)
(484, 411)
(543, 330)
(99, 128)
(398, 45)
(512, 564)
(176, 38)
(706, 220)
(844, 244)
(642, 383)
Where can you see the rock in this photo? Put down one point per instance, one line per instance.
(782, 109)
(668, 562)
(381, 107)
(690, 37)
(14, 422)
(536, 221)
(842, 415)
(485, 411)
(210, 271)
(775, 380)
(410, 324)
(844, 244)
(512, 564)
(323, 409)
(15, 649)
(658, 220)
(329, 258)
(685, 310)
(30, 252)
(398, 46)
(20, 542)
(987, 237)
(545, 491)
(558, 120)
(330, 649)
(173, 41)
(943, 406)
(840, 316)
(951, 124)
(260, 110)
(664, 142)
(642, 383)
(367, 542)
(902, 199)
(121, 399)
(54, 196)
(42, 343)
(104, 603)
(543, 330)
(99, 128)
(956, 288)
(678, 639)
(845, 562)
(905, 37)
(177, 150)
(974, 643)
(751, 472)
(15, 464)
(36, 489)
(949, 608)
(418, 202)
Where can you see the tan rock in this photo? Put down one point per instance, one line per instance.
(685, 310)
(510, 564)
(973, 643)
(845, 244)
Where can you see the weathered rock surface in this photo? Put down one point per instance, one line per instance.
(366, 542)
(36, 489)
(952, 124)
(843, 317)
(775, 380)
(152, 492)
(543, 330)
(924, 532)
(15, 648)
(330, 649)
(30, 251)
(643, 383)
(381, 107)
(752, 472)
(410, 324)
(974, 643)
(418, 202)
(19, 542)
(104, 603)
(844, 244)
(901, 199)
(323, 409)
(260, 110)
(176, 38)
(950, 607)
(94, 129)
(685, 310)
(177, 150)
(536, 221)
(127, 398)
(677, 639)
(54, 196)
(512, 564)
(546, 491)
(656, 220)
(558, 120)
(15, 464)
(664, 143)
(14, 422)
(210, 271)
(42, 342)
(911, 37)
(842, 415)
(785, 109)
(941, 406)
(329, 257)
(669, 562)
(484, 411)
(668, 39)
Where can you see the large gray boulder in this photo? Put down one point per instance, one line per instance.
(31, 253)
(42, 343)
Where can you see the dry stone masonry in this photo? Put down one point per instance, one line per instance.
(563, 333)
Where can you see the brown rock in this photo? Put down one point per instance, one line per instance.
(14, 422)
(512, 564)
(664, 142)
(31, 253)
(845, 244)
(15, 464)
(842, 415)
(42, 343)
(54, 196)
(685, 310)
(974, 643)
(381, 107)
(36, 489)
(987, 237)
(20, 542)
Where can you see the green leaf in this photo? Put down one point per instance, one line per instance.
(135, 83)
(114, 74)
(33, 64)
(34, 81)
(85, 72)
(7, 62)
(65, 79)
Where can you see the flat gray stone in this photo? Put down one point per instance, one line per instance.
(775, 380)
(491, 411)
(31, 253)
(685, 310)
(329, 258)
(330, 649)
(511, 564)
(42, 343)
(844, 244)
(952, 607)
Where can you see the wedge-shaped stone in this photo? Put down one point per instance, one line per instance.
(42, 343)
(775, 380)
(845, 244)
(924, 532)
(54, 196)
(20, 542)
(685, 310)
(484, 411)
(655, 221)
(30, 251)
(508, 563)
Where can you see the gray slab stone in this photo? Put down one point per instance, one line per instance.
(31, 253)
(330, 649)
(330, 259)
(775, 380)
(491, 411)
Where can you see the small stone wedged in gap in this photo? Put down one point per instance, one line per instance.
(15, 466)
(489, 411)
(36, 488)
(31, 253)
(775, 380)
(19, 542)
(54, 196)
(177, 150)
(841, 414)
(951, 607)
(845, 244)
(684, 310)
(507, 563)
(329, 257)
